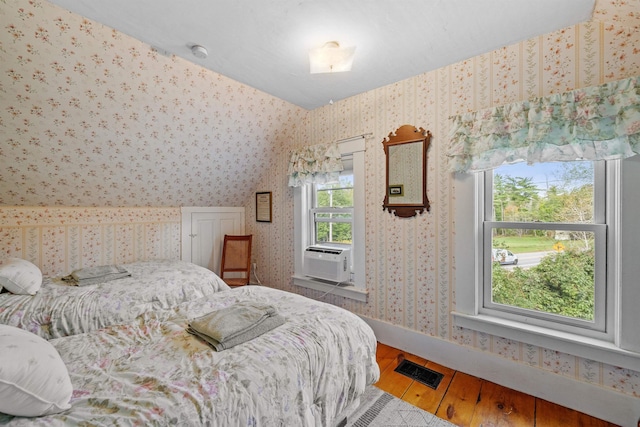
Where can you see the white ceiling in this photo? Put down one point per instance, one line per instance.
(265, 43)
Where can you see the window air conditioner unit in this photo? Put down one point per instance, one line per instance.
(327, 263)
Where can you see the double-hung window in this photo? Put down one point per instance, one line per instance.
(332, 214)
(544, 246)
(545, 255)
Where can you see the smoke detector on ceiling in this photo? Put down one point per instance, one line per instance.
(199, 51)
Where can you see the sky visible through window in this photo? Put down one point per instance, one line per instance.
(543, 175)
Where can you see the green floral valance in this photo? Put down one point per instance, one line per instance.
(596, 123)
(315, 164)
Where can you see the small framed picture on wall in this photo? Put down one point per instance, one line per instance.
(263, 206)
(396, 190)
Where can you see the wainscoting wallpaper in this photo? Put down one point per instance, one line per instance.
(91, 117)
(60, 240)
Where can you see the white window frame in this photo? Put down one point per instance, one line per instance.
(604, 295)
(355, 149)
(621, 346)
(348, 167)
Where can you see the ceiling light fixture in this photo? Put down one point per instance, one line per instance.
(331, 58)
(199, 51)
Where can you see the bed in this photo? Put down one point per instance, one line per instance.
(153, 372)
(59, 309)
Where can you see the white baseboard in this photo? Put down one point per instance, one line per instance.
(599, 402)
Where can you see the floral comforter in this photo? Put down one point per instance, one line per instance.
(60, 309)
(153, 372)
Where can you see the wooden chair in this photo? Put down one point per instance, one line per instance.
(236, 259)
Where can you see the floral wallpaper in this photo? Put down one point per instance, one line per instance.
(60, 239)
(409, 263)
(92, 117)
(94, 121)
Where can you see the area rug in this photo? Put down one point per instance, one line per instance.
(380, 409)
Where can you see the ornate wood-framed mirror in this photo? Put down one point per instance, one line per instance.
(406, 183)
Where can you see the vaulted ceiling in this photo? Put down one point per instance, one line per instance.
(265, 43)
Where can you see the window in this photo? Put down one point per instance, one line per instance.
(334, 215)
(544, 246)
(482, 223)
(332, 212)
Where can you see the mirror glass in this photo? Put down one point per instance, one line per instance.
(405, 173)
(406, 152)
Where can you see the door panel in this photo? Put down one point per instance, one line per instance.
(203, 245)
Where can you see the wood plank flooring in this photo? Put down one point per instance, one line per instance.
(468, 401)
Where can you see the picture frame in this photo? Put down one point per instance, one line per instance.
(396, 190)
(263, 206)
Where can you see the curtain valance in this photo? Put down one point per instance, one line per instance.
(595, 123)
(315, 164)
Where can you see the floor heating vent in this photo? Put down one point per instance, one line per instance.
(419, 373)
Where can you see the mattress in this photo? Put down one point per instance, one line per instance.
(153, 372)
(60, 309)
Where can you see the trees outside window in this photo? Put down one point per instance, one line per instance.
(332, 211)
(334, 215)
(552, 218)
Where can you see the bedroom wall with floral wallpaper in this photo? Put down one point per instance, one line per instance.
(60, 239)
(94, 123)
(409, 263)
(93, 117)
(90, 117)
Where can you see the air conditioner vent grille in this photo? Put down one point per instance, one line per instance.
(325, 250)
(327, 263)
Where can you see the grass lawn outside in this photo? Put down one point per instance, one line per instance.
(524, 244)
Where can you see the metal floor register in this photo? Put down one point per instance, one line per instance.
(420, 373)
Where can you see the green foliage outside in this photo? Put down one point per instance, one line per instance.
(569, 199)
(333, 232)
(529, 243)
(335, 195)
(561, 284)
(524, 244)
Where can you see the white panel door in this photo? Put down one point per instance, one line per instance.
(203, 231)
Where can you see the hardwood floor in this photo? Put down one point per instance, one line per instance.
(465, 400)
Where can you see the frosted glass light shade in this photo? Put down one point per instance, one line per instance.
(331, 58)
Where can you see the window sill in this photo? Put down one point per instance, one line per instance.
(349, 291)
(589, 348)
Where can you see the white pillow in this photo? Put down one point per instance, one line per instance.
(20, 276)
(34, 380)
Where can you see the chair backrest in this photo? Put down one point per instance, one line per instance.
(236, 259)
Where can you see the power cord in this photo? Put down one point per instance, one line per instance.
(254, 267)
(332, 289)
